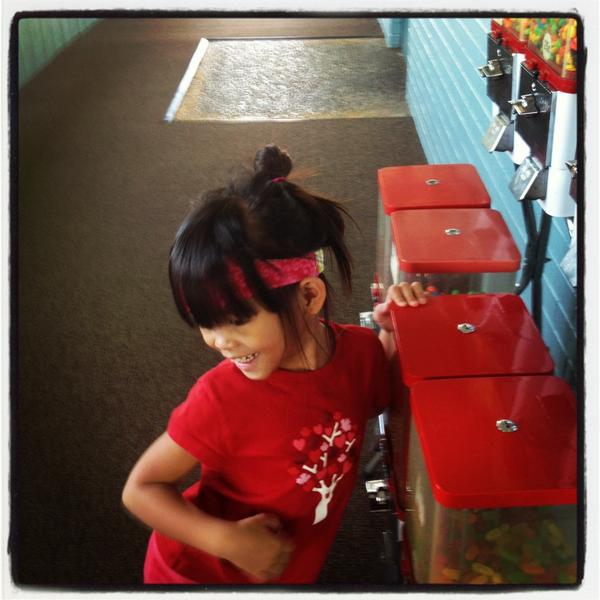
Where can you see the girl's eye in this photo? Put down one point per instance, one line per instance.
(238, 322)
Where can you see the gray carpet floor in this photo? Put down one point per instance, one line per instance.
(100, 355)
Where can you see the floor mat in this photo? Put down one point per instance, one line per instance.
(287, 80)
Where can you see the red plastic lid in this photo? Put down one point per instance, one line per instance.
(434, 340)
(454, 240)
(431, 186)
(473, 464)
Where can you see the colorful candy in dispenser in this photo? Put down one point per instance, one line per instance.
(519, 546)
(554, 40)
(519, 27)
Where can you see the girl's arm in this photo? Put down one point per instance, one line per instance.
(403, 294)
(256, 544)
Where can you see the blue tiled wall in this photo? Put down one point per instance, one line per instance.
(448, 102)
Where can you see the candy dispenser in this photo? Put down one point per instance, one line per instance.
(554, 41)
(491, 484)
(418, 187)
(456, 250)
(506, 44)
(546, 115)
(458, 336)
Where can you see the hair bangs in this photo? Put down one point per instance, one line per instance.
(204, 294)
(211, 306)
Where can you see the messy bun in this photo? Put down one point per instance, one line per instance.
(272, 162)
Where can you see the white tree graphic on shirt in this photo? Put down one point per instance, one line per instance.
(326, 452)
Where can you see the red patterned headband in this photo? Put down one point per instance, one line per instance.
(279, 272)
(275, 273)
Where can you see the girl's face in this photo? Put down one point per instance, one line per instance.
(256, 347)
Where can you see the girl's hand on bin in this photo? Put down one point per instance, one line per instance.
(260, 548)
(402, 294)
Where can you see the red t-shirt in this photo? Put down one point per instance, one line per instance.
(288, 445)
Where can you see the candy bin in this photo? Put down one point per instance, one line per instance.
(491, 481)
(554, 40)
(418, 187)
(454, 251)
(519, 27)
(457, 336)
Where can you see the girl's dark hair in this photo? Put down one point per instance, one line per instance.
(253, 218)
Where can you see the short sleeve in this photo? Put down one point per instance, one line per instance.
(197, 426)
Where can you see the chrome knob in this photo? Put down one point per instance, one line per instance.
(572, 166)
(506, 426)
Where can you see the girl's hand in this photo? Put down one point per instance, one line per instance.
(403, 294)
(260, 548)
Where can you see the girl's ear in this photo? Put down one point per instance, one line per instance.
(313, 294)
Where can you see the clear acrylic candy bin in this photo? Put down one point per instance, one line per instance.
(491, 483)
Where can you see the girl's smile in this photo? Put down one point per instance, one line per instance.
(244, 360)
(261, 345)
(245, 363)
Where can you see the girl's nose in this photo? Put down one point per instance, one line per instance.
(223, 340)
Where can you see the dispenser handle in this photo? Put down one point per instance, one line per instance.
(530, 104)
(493, 69)
(525, 105)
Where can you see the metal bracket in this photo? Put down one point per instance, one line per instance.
(378, 494)
(366, 319)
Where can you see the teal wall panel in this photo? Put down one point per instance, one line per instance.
(448, 102)
(393, 31)
(41, 39)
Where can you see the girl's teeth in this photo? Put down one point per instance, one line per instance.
(246, 359)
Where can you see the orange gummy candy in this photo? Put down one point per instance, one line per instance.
(532, 568)
(472, 552)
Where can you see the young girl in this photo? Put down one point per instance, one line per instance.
(278, 425)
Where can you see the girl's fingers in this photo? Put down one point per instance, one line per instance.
(407, 293)
(278, 567)
(419, 292)
(403, 294)
(382, 308)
